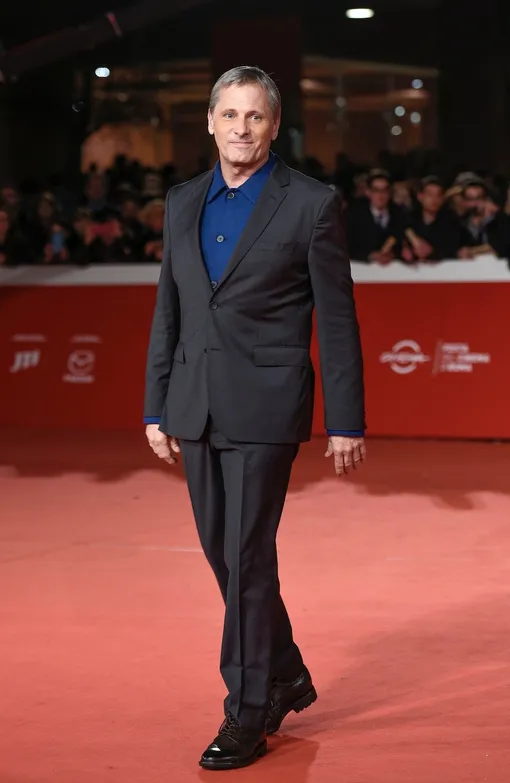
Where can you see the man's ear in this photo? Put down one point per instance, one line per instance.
(210, 123)
(276, 128)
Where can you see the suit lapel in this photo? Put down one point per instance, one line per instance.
(272, 196)
(190, 222)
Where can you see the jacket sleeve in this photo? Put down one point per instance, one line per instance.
(341, 361)
(164, 334)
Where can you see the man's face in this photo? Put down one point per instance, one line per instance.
(243, 125)
(474, 198)
(432, 198)
(130, 210)
(10, 197)
(379, 193)
(95, 187)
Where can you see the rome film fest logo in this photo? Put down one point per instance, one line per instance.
(80, 366)
(404, 357)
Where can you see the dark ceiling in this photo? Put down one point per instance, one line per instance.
(23, 20)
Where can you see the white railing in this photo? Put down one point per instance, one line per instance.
(483, 269)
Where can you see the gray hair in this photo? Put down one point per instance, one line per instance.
(247, 74)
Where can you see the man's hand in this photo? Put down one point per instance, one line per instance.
(348, 453)
(422, 249)
(378, 257)
(164, 447)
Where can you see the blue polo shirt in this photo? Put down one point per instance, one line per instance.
(224, 218)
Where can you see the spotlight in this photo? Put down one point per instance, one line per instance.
(416, 117)
(359, 13)
(396, 130)
(102, 73)
(417, 84)
(400, 111)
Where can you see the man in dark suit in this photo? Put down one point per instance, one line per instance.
(375, 225)
(249, 249)
(433, 232)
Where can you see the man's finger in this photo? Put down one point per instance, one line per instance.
(353, 458)
(339, 464)
(174, 445)
(347, 460)
(356, 456)
(168, 457)
(162, 450)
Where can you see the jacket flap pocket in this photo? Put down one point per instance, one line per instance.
(179, 353)
(281, 356)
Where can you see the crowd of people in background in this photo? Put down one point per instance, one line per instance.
(390, 213)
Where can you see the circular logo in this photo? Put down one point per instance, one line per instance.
(404, 357)
(81, 363)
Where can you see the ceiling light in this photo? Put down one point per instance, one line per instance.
(400, 111)
(102, 73)
(359, 13)
(416, 117)
(396, 130)
(417, 84)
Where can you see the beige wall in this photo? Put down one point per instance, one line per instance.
(184, 139)
(150, 145)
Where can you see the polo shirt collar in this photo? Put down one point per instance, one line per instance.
(253, 186)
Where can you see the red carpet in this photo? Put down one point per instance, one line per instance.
(397, 579)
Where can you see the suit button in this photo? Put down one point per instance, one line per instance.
(220, 238)
(231, 195)
(214, 305)
(213, 284)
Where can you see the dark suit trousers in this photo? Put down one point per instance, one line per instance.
(237, 492)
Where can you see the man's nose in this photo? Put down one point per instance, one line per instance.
(241, 126)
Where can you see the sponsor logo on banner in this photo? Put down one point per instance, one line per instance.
(457, 358)
(80, 367)
(25, 360)
(405, 357)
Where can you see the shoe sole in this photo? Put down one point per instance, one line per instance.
(219, 765)
(301, 704)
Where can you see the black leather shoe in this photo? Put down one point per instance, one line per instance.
(234, 747)
(287, 697)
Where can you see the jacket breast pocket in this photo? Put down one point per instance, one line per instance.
(281, 356)
(278, 247)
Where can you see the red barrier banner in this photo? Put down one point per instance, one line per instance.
(72, 353)
(435, 360)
